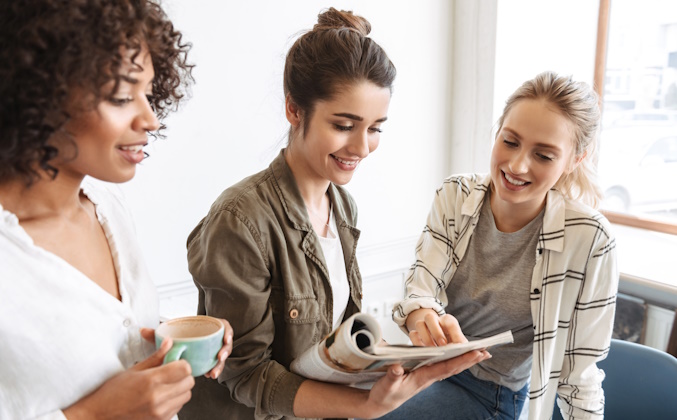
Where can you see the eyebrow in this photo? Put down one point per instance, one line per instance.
(356, 117)
(538, 144)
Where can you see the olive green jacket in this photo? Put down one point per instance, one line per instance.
(258, 263)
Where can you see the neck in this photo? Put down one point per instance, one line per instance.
(45, 197)
(313, 188)
(511, 217)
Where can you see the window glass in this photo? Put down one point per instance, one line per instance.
(638, 142)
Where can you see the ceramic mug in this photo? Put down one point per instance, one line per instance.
(197, 339)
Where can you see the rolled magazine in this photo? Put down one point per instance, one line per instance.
(355, 353)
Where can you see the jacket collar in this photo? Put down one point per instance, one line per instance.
(552, 233)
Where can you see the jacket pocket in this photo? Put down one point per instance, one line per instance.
(295, 309)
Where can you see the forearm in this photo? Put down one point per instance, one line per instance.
(318, 400)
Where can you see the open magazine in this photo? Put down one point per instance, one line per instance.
(355, 353)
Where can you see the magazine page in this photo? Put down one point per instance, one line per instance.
(355, 353)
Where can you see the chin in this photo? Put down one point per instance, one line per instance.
(116, 178)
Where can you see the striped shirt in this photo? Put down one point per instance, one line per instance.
(573, 290)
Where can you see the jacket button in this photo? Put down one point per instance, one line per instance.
(536, 291)
(294, 313)
(540, 251)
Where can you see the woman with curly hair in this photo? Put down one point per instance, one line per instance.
(82, 83)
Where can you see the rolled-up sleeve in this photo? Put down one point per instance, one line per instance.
(580, 382)
(433, 268)
(227, 259)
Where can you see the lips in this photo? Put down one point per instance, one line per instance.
(347, 165)
(512, 183)
(132, 153)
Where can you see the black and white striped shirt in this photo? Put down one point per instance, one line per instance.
(573, 290)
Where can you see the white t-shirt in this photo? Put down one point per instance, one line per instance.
(62, 335)
(336, 266)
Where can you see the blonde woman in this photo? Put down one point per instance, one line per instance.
(520, 249)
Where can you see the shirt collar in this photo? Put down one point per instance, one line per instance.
(552, 234)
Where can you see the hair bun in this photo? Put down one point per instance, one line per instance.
(342, 19)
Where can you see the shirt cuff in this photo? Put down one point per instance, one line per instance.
(402, 310)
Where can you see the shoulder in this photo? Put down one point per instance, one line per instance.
(244, 195)
(464, 183)
(582, 221)
(109, 198)
(465, 191)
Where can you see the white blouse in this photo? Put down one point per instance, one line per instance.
(336, 266)
(61, 335)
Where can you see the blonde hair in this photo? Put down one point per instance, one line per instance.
(579, 104)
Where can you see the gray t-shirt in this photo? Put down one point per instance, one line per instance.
(489, 294)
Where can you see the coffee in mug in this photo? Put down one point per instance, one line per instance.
(196, 339)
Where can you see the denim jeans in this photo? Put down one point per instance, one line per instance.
(462, 397)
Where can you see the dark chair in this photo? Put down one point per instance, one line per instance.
(640, 383)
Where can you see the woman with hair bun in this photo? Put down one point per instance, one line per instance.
(276, 253)
(82, 84)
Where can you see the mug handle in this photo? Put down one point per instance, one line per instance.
(174, 353)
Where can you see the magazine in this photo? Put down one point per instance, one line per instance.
(355, 353)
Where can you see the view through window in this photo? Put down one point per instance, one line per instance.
(638, 142)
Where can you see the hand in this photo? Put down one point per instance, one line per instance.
(224, 352)
(148, 390)
(396, 387)
(427, 328)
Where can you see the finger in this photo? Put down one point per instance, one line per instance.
(394, 374)
(216, 370)
(486, 355)
(432, 321)
(424, 333)
(174, 372)
(452, 329)
(227, 332)
(415, 338)
(148, 334)
(156, 358)
(172, 398)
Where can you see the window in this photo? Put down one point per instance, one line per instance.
(637, 164)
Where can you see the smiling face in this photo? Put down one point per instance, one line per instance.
(533, 149)
(341, 132)
(109, 138)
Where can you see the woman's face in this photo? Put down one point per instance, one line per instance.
(110, 138)
(341, 132)
(532, 151)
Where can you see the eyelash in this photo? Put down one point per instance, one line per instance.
(340, 127)
(540, 156)
(544, 157)
(119, 101)
(125, 101)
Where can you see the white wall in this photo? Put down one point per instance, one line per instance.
(539, 35)
(234, 123)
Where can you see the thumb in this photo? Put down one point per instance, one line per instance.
(156, 358)
(395, 372)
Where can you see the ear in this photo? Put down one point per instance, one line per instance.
(577, 161)
(292, 112)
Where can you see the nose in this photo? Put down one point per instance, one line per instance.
(519, 164)
(146, 119)
(360, 144)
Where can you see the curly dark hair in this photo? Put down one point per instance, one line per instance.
(48, 48)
